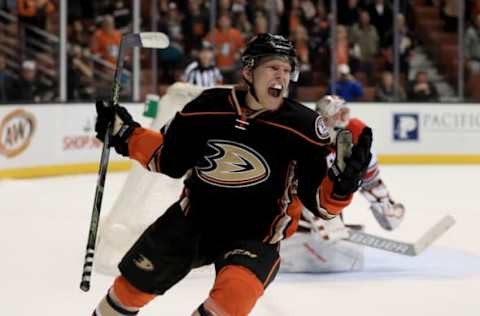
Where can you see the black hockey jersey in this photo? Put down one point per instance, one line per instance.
(248, 173)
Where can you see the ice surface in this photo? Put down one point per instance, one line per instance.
(43, 233)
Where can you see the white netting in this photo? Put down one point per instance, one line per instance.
(145, 195)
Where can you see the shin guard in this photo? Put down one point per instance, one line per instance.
(235, 292)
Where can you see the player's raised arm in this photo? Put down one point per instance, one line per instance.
(128, 137)
(345, 175)
(388, 213)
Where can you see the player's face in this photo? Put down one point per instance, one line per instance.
(270, 79)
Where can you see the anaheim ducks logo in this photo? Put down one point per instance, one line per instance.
(233, 165)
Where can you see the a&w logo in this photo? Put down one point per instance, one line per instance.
(16, 132)
(233, 165)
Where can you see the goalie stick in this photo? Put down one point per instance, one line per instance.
(145, 40)
(400, 247)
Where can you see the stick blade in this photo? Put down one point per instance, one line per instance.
(154, 40)
(434, 233)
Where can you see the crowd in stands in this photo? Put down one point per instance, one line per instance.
(363, 53)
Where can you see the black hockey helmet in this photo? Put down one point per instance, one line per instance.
(267, 44)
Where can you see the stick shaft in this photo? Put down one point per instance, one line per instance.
(102, 174)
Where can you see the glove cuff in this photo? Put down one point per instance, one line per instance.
(120, 140)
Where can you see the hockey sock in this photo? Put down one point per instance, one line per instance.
(235, 292)
(122, 300)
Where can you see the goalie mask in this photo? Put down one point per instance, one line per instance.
(335, 113)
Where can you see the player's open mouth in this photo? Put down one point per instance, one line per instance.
(275, 90)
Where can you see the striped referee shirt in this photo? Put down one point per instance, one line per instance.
(205, 77)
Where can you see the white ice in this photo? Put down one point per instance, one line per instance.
(43, 233)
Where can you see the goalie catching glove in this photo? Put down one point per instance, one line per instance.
(349, 167)
(387, 213)
(123, 125)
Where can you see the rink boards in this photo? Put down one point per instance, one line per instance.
(53, 139)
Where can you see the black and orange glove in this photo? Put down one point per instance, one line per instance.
(123, 125)
(347, 179)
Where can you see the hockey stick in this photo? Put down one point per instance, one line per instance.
(145, 40)
(400, 247)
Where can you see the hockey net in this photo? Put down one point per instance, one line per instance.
(144, 196)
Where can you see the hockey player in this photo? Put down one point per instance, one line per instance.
(252, 159)
(387, 212)
(318, 247)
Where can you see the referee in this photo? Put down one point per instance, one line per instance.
(202, 71)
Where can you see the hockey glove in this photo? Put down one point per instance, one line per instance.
(348, 169)
(123, 125)
(388, 214)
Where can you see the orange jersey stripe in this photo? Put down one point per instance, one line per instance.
(294, 210)
(143, 143)
(329, 203)
(130, 296)
(206, 113)
(295, 132)
(271, 273)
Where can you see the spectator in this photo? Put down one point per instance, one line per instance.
(172, 57)
(7, 81)
(385, 90)
(346, 87)
(473, 10)
(77, 34)
(106, 41)
(276, 9)
(319, 41)
(449, 13)
(33, 13)
(260, 25)
(121, 13)
(381, 15)
(45, 10)
(342, 46)
(308, 12)
(364, 38)
(421, 89)
(229, 44)
(194, 25)
(472, 45)
(29, 88)
(202, 71)
(244, 26)
(320, 31)
(80, 75)
(407, 45)
(224, 7)
(347, 13)
(301, 41)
